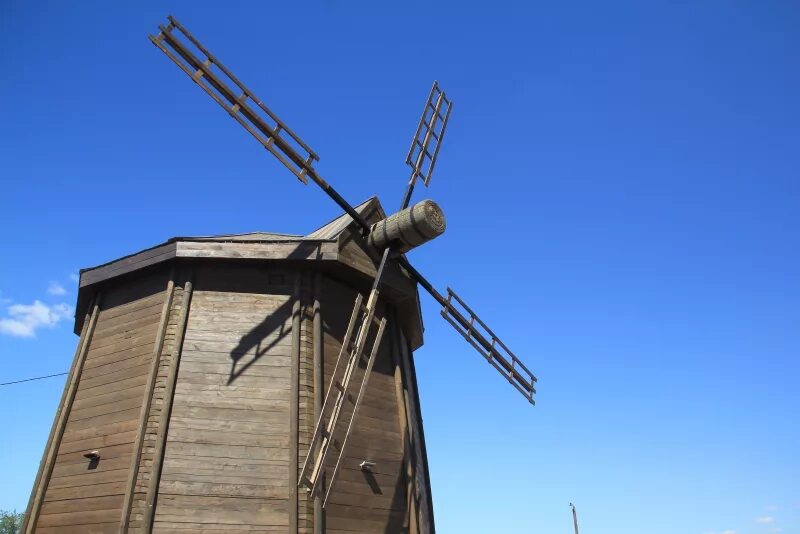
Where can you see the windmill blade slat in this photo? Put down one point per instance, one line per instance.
(430, 130)
(286, 150)
(486, 343)
(360, 325)
(495, 351)
(208, 79)
(241, 86)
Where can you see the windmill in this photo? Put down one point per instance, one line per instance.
(201, 396)
(406, 229)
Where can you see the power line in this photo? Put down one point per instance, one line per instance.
(29, 379)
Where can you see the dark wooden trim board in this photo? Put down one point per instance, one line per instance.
(294, 410)
(48, 461)
(318, 250)
(127, 264)
(422, 475)
(145, 410)
(318, 346)
(163, 425)
(406, 428)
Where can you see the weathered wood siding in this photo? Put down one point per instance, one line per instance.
(223, 418)
(104, 414)
(168, 353)
(227, 458)
(306, 420)
(418, 479)
(361, 501)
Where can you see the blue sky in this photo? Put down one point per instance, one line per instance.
(620, 182)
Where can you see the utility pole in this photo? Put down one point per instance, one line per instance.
(574, 517)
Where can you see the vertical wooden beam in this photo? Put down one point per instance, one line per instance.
(318, 345)
(406, 427)
(147, 399)
(163, 424)
(427, 523)
(294, 410)
(60, 421)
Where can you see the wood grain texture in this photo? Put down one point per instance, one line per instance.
(406, 426)
(294, 408)
(128, 264)
(226, 459)
(285, 250)
(107, 403)
(377, 501)
(59, 423)
(233, 395)
(161, 416)
(146, 404)
(422, 483)
(318, 384)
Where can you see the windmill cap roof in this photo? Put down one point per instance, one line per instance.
(336, 248)
(329, 231)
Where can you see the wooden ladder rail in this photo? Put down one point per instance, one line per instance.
(304, 480)
(361, 320)
(361, 390)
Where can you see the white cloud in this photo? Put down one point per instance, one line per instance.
(74, 277)
(728, 532)
(24, 320)
(765, 520)
(56, 289)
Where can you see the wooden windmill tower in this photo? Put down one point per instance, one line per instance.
(257, 382)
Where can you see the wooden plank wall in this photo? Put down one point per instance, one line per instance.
(416, 455)
(105, 413)
(227, 457)
(306, 420)
(377, 501)
(168, 353)
(59, 422)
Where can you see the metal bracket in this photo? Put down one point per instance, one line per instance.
(367, 466)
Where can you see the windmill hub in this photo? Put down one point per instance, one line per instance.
(408, 228)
